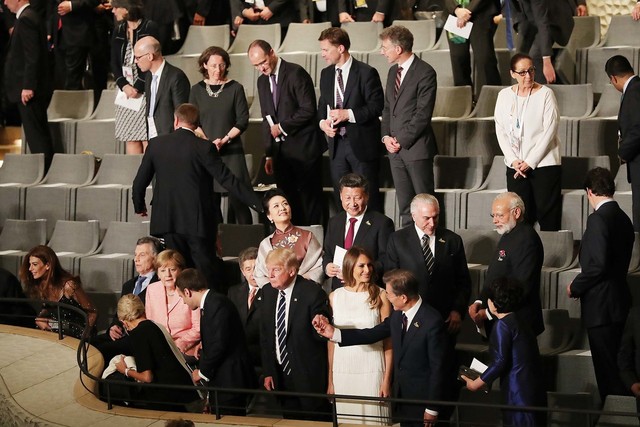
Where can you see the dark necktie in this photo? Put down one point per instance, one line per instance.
(398, 80)
(274, 90)
(281, 333)
(348, 240)
(427, 254)
(138, 288)
(405, 321)
(339, 101)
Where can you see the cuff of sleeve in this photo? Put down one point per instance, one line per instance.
(203, 377)
(337, 336)
(282, 130)
(428, 411)
(352, 118)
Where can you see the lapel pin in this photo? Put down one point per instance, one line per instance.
(295, 299)
(368, 222)
(441, 240)
(416, 324)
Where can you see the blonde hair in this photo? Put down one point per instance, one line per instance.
(170, 255)
(130, 308)
(283, 256)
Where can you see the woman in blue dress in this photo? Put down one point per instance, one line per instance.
(515, 358)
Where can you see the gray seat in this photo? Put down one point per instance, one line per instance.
(575, 102)
(363, 35)
(623, 191)
(55, 197)
(558, 256)
(248, 33)
(380, 63)
(97, 133)
(307, 61)
(476, 206)
(479, 247)
(453, 103)
(188, 64)
(424, 33)
(585, 35)
(576, 401)
(18, 172)
(201, 37)
(235, 237)
(245, 73)
(440, 60)
(302, 37)
(317, 230)
(67, 107)
(107, 196)
(17, 238)
(72, 240)
(625, 406)
(557, 335)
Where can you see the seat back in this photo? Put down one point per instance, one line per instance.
(622, 404)
(468, 172)
(317, 230)
(121, 237)
(70, 104)
(75, 169)
(80, 237)
(486, 105)
(574, 169)
(424, 33)
(574, 100)
(479, 244)
(22, 235)
(453, 101)
(302, 37)
(634, 263)
(496, 178)
(27, 169)
(558, 248)
(609, 103)
(380, 63)
(557, 334)
(576, 401)
(118, 169)
(106, 107)
(248, 33)
(623, 31)
(622, 184)
(201, 37)
(244, 73)
(363, 35)
(236, 237)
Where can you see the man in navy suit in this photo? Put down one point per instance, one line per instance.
(419, 347)
(624, 80)
(356, 226)
(602, 286)
(349, 108)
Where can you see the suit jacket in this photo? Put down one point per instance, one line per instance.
(307, 350)
(544, 21)
(629, 124)
(605, 253)
(372, 235)
(77, 26)
(224, 360)
(173, 90)
(250, 317)
(418, 359)
(363, 95)
(127, 288)
(284, 12)
(25, 65)
(407, 117)
(449, 286)
(629, 354)
(295, 112)
(184, 167)
(519, 255)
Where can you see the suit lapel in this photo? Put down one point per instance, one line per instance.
(407, 78)
(441, 252)
(293, 304)
(281, 79)
(162, 85)
(364, 228)
(414, 327)
(354, 77)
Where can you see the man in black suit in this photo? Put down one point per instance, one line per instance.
(356, 226)
(116, 341)
(264, 12)
(385, 11)
(540, 24)
(602, 286)
(624, 80)
(519, 255)
(26, 78)
(419, 347)
(406, 118)
(349, 108)
(247, 297)
(224, 359)
(165, 86)
(293, 143)
(294, 357)
(184, 213)
(208, 12)
(629, 354)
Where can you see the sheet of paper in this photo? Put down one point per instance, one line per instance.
(271, 123)
(131, 103)
(478, 365)
(338, 255)
(452, 26)
(151, 124)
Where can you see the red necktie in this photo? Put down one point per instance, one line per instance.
(348, 240)
(252, 295)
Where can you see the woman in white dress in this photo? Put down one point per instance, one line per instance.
(362, 370)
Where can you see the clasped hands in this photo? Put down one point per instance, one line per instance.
(521, 167)
(322, 326)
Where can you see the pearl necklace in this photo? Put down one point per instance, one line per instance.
(210, 92)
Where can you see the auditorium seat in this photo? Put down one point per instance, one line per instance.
(245, 73)
(440, 60)
(381, 64)
(72, 240)
(453, 103)
(201, 37)
(621, 404)
(558, 334)
(476, 206)
(302, 37)
(97, 133)
(17, 238)
(106, 198)
(317, 230)
(246, 34)
(585, 35)
(424, 33)
(623, 191)
(479, 247)
(574, 374)
(575, 102)
(576, 401)
(189, 65)
(55, 197)
(558, 256)
(364, 36)
(18, 172)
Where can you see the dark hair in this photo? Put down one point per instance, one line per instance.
(336, 36)
(402, 282)
(618, 66)
(135, 8)
(188, 114)
(270, 194)
(517, 58)
(399, 36)
(506, 294)
(191, 279)
(247, 255)
(208, 53)
(353, 180)
(156, 244)
(349, 264)
(262, 44)
(54, 278)
(600, 181)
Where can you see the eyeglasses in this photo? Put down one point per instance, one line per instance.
(522, 73)
(502, 215)
(137, 58)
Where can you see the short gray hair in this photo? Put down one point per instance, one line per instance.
(154, 242)
(424, 198)
(514, 201)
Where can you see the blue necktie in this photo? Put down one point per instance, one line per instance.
(138, 288)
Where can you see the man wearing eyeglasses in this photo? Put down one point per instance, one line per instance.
(518, 255)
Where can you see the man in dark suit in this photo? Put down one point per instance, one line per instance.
(293, 142)
(349, 108)
(356, 226)
(602, 286)
(519, 255)
(224, 359)
(208, 12)
(294, 357)
(629, 354)
(385, 11)
(116, 341)
(624, 80)
(540, 24)
(26, 78)
(165, 87)
(247, 297)
(419, 347)
(184, 213)
(263, 12)
(406, 118)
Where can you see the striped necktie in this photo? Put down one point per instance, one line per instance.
(426, 253)
(398, 79)
(281, 333)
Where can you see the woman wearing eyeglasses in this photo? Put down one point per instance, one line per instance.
(527, 117)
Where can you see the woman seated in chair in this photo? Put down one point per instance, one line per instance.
(45, 279)
(288, 236)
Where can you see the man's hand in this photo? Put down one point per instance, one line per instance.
(269, 384)
(268, 166)
(339, 116)
(275, 131)
(327, 128)
(377, 17)
(115, 332)
(323, 326)
(345, 17)
(464, 14)
(391, 144)
(251, 14)
(581, 10)
(477, 313)
(237, 21)
(453, 322)
(430, 420)
(333, 270)
(195, 375)
(635, 12)
(635, 389)
(64, 8)
(569, 291)
(26, 96)
(547, 69)
(198, 19)
(266, 13)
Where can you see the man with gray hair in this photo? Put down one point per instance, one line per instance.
(518, 255)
